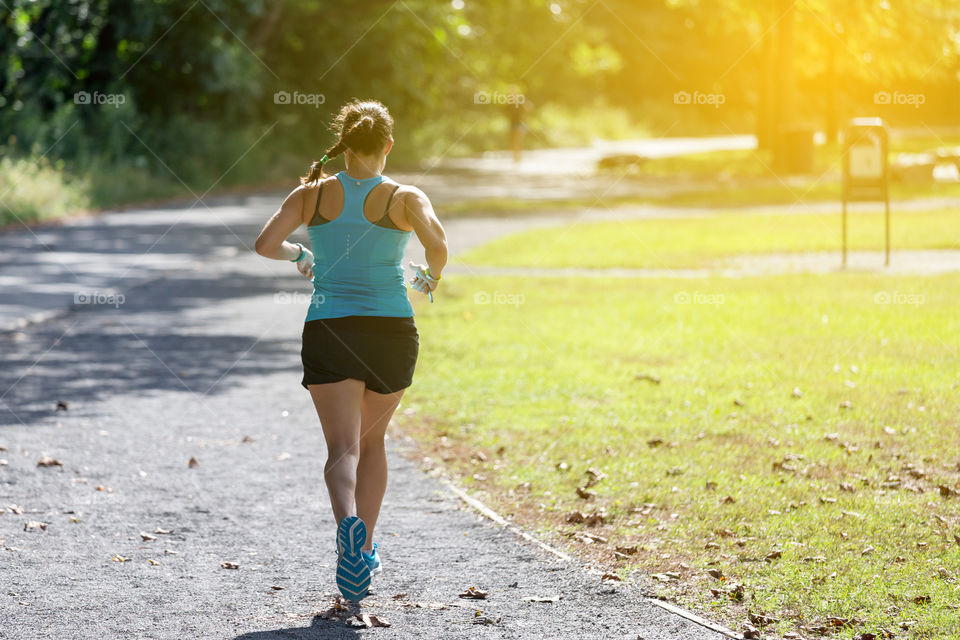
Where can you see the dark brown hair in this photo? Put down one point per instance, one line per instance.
(362, 126)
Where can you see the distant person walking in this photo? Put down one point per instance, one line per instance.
(517, 110)
(360, 342)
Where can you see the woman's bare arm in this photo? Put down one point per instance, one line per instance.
(272, 241)
(423, 219)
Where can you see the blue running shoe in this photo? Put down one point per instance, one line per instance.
(353, 573)
(373, 560)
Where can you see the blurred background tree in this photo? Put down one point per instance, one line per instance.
(198, 77)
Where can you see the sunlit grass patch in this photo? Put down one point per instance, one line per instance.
(706, 241)
(792, 433)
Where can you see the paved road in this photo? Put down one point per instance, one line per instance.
(199, 359)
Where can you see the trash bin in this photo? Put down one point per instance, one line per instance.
(795, 149)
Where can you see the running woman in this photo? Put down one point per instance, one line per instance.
(360, 342)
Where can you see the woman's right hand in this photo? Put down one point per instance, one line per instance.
(422, 281)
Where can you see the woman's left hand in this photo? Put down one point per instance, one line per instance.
(305, 266)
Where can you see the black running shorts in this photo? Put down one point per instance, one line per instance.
(381, 351)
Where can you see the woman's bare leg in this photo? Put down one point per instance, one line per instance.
(371, 476)
(339, 407)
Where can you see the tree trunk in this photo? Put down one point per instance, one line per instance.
(785, 84)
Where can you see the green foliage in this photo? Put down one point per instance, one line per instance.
(189, 87)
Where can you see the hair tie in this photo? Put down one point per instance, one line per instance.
(324, 160)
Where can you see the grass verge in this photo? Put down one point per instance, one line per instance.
(700, 242)
(796, 436)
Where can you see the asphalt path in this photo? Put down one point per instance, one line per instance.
(134, 342)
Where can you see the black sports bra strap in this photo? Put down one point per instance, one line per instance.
(317, 218)
(386, 209)
(385, 220)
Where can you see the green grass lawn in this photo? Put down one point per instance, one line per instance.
(791, 432)
(699, 242)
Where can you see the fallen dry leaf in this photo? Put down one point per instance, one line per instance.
(576, 517)
(948, 492)
(277, 587)
(654, 442)
(585, 493)
(153, 563)
(62, 405)
(479, 618)
(119, 558)
(776, 554)
(922, 599)
(628, 551)
(647, 377)
(542, 598)
(34, 524)
(367, 621)
(192, 462)
(588, 538)
(424, 605)
(842, 622)
(594, 476)
(750, 632)
(472, 593)
(729, 500)
(248, 440)
(161, 532)
(761, 620)
(147, 537)
(15, 509)
(229, 565)
(715, 573)
(47, 461)
(479, 456)
(611, 576)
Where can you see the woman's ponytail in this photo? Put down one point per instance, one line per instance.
(363, 126)
(316, 167)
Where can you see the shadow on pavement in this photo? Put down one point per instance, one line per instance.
(319, 628)
(148, 343)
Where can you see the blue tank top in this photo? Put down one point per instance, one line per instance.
(357, 267)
